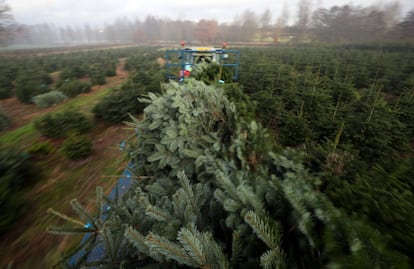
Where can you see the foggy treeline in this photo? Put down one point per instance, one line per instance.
(338, 24)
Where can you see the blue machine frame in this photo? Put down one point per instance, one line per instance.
(183, 58)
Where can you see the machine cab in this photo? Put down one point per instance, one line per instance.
(179, 62)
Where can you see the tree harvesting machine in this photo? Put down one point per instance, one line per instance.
(181, 62)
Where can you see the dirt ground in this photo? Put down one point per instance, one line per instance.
(28, 245)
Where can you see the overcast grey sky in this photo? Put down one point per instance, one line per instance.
(97, 12)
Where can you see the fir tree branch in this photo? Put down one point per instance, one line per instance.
(168, 249)
(99, 202)
(159, 214)
(83, 249)
(185, 183)
(268, 234)
(296, 196)
(248, 196)
(65, 217)
(109, 242)
(67, 231)
(138, 240)
(80, 210)
(215, 257)
(231, 205)
(227, 184)
(192, 245)
(270, 260)
(236, 249)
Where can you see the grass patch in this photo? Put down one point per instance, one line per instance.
(22, 135)
(85, 103)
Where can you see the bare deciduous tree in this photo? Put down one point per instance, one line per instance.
(303, 19)
(406, 28)
(249, 25)
(281, 22)
(6, 23)
(265, 20)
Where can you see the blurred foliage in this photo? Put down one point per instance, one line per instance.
(77, 70)
(246, 108)
(116, 107)
(4, 120)
(29, 76)
(6, 86)
(145, 76)
(352, 111)
(30, 83)
(97, 75)
(49, 99)
(77, 147)
(41, 148)
(71, 88)
(17, 173)
(61, 124)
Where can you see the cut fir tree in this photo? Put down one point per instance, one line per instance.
(209, 191)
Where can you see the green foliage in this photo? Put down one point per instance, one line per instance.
(177, 120)
(31, 83)
(4, 120)
(375, 130)
(149, 78)
(294, 130)
(72, 72)
(118, 105)
(212, 192)
(383, 197)
(66, 73)
(9, 69)
(49, 99)
(206, 72)
(405, 111)
(143, 59)
(17, 172)
(6, 86)
(5, 92)
(77, 147)
(110, 69)
(307, 94)
(98, 79)
(210, 72)
(41, 148)
(244, 105)
(11, 204)
(19, 167)
(72, 88)
(57, 125)
(97, 75)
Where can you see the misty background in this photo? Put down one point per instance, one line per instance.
(75, 22)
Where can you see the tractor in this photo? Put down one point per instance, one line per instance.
(181, 62)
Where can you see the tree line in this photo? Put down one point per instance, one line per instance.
(337, 24)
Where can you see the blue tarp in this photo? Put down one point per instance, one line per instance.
(98, 251)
